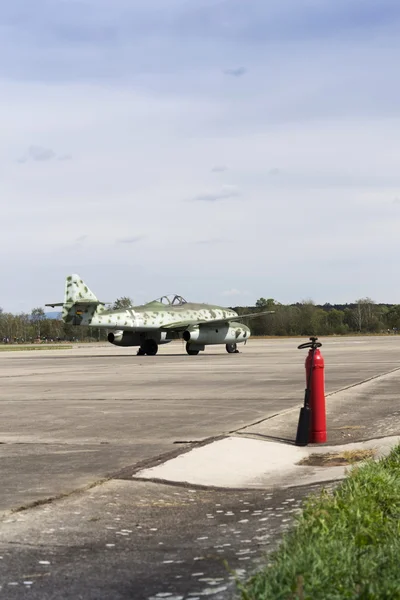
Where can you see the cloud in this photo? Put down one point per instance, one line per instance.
(219, 168)
(164, 118)
(81, 239)
(237, 72)
(274, 171)
(130, 240)
(225, 193)
(41, 154)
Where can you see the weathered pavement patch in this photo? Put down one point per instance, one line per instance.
(251, 463)
(142, 540)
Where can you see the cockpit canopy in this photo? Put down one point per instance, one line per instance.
(171, 300)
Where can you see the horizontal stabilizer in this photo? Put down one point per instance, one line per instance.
(80, 302)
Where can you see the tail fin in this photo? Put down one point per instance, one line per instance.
(80, 304)
(77, 292)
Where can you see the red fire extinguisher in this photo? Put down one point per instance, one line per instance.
(312, 419)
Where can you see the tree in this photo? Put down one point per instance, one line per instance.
(265, 304)
(364, 314)
(307, 321)
(7, 325)
(335, 321)
(123, 302)
(261, 303)
(393, 317)
(37, 317)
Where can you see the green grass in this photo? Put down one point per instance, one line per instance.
(23, 348)
(345, 544)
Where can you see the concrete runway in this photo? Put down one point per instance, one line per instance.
(72, 417)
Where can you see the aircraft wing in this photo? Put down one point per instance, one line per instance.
(250, 315)
(182, 325)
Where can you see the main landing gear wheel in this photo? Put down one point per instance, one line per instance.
(149, 347)
(231, 348)
(190, 351)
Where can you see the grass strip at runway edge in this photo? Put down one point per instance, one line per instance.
(344, 544)
(32, 348)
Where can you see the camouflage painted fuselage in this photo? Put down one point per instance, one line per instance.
(154, 315)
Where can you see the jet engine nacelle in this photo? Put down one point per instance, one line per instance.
(131, 338)
(234, 333)
(123, 338)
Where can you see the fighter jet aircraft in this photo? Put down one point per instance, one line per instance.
(158, 322)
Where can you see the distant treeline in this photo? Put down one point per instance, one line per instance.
(303, 318)
(306, 318)
(36, 326)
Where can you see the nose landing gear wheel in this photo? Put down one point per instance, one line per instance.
(190, 351)
(231, 348)
(149, 347)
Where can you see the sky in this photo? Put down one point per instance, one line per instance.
(224, 150)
